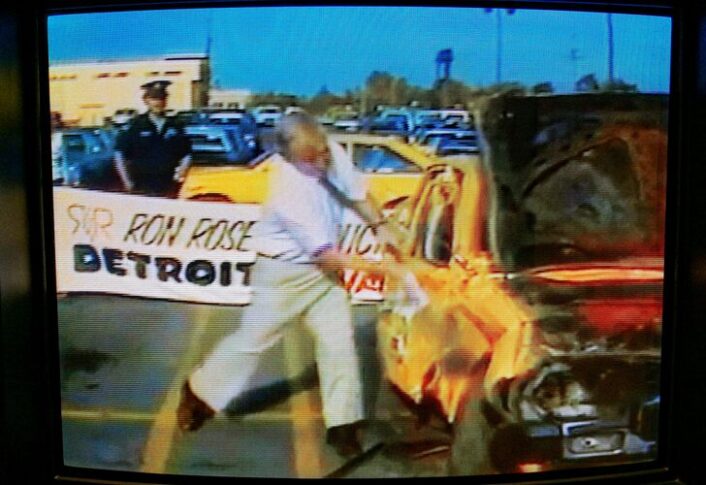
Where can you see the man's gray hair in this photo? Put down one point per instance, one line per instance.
(288, 127)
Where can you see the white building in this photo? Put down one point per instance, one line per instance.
(86, 92)
(228, 98)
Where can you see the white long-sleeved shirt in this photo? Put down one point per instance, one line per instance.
(301, 217)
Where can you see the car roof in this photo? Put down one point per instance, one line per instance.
(215, 129)
(364, 138)
(448, 131)
(78, 131)
(228, 114)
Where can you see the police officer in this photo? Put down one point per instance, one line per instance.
(153, 153)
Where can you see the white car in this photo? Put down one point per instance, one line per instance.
(347, 122)
(267, 115)
(293, 109)
(124, 115)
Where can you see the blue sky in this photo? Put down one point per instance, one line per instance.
(300, 49)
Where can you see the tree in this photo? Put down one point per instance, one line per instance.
(382, 88)
(279, 99)
(587, 83)
(543, 88)
(620, 86)
(320, 104)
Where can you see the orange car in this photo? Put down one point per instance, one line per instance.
(543, 268)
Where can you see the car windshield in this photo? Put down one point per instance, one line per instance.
(436, 139)
(227, 120)
(380, 159)
(74, 142)
(217, 147)
(396, 118)
(458, 141)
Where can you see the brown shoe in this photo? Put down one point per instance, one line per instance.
(344, 439)
(192, 412)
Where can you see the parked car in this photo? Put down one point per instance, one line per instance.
(452, 116)
(123, 116)
(325, 120)
(391, 168)
(240, 118)
(293, 109)
(543, 266)
(422, 116)
(220, 144)
(429, 139)
(194, 116)
(107, 135)
(188, 116)
(87, 158)
(349, 122)
(267, 115)
(391, 122)
(461, 143)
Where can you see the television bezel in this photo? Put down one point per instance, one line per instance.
(29, 335)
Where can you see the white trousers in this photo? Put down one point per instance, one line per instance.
(284, 292)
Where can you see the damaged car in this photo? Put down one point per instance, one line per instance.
(543, 264)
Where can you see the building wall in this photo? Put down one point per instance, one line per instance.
(86, 93)
(228, 98)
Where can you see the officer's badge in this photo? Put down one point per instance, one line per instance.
(170, 132)
(145, 133)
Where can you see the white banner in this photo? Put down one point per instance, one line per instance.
(172, 249)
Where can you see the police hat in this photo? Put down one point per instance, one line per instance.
(156, 89)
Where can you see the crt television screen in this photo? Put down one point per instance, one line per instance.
(358, 241)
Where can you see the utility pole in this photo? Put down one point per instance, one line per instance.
(208, 34)
(611, 50)
(574, 56)
(499, 40)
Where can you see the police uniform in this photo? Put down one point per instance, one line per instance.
(152, 148)
(299, 220)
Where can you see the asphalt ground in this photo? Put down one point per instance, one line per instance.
(123, 361)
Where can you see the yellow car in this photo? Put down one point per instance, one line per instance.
(392, 170)
(438, 351)
(544, 285)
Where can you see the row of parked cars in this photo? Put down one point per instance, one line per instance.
(439, 132)
(83, 156)
(233, 137)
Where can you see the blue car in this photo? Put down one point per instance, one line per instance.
(460, 143)
(86, 158)
(220, 144)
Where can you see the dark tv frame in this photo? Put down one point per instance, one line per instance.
(30, 436)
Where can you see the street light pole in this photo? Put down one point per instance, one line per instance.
(499, 40)
(498, 61)
(611, 49)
